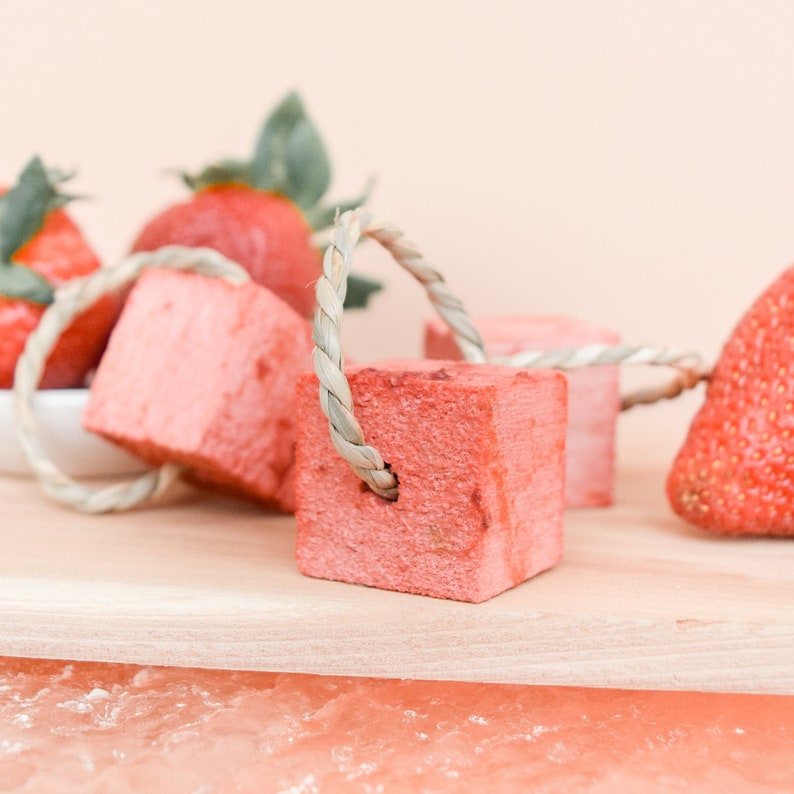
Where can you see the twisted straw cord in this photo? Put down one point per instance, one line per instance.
(445, 303)
(686, 379)
(690, 367)
(69, 301)
(336, 399)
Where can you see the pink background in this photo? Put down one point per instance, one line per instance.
(627, 163)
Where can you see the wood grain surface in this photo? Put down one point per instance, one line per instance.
(641, 600)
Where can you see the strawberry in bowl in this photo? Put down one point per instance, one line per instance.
(263, 212)
(40, 249)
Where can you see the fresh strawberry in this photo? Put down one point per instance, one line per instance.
(262, 213)
(735, 472)
(40, 249)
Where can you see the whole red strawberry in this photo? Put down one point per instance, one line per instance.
(41, 248)
(262, 213)
(735, 472)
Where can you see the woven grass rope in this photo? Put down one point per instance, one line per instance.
(335, 397)
(69, 301)
(689, 367)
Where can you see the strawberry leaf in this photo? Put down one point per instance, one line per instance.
(308, 167)
(268, 165)
(289, 157)
(18, 281)
(25, 206)
(359, 291)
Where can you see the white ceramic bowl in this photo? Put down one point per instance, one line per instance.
(74, 450)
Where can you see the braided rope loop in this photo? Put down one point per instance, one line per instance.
(448, 306)
(689, 366)
(336, 399)
(71, 299)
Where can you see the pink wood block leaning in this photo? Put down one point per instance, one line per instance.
(202, 373)
(479, 453)
(593, 396)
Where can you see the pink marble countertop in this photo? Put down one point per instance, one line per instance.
(88, 727)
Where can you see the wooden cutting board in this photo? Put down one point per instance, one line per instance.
(640, 601)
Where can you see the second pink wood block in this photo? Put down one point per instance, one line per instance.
(479, 452)
(593, 392)
(202, 373)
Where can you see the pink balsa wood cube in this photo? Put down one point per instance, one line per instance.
(202, 373)
(593, 392)
(479, 452)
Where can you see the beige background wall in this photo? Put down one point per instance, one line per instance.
(631, 163)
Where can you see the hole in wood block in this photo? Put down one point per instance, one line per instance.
(364, 488)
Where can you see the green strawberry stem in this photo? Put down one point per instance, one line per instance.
(22, 212)
(290, 159)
